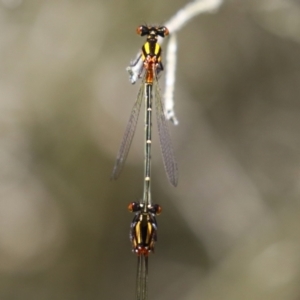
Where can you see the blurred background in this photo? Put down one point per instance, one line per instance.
(230, 230)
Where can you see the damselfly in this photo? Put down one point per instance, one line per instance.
(143, 235)
(152, 65)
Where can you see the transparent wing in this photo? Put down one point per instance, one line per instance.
(165, 139)
(142, 278)
(128, 135)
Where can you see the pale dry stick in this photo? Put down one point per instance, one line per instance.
(170, 79)
(181, 18)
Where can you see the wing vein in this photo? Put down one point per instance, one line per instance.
(165, 139)
(128, 135)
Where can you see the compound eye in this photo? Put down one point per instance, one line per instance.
(133, 207)
(163, 31)
(142, 30)
(156, 209)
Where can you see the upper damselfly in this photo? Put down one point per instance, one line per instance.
(152, 65)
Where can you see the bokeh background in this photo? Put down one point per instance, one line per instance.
(230, 230)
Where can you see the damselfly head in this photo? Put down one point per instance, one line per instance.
(154, 209)
(152, 32)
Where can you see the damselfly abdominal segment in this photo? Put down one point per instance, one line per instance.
(152, 65)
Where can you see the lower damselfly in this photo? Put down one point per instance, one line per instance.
(152, 65)
(143, 235)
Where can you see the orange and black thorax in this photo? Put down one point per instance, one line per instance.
(144, 233)
(151, 50)
(151, 56)
(143, 229)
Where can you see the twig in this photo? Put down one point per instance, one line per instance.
(181, 18)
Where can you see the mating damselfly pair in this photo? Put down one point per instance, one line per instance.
(143, 229)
